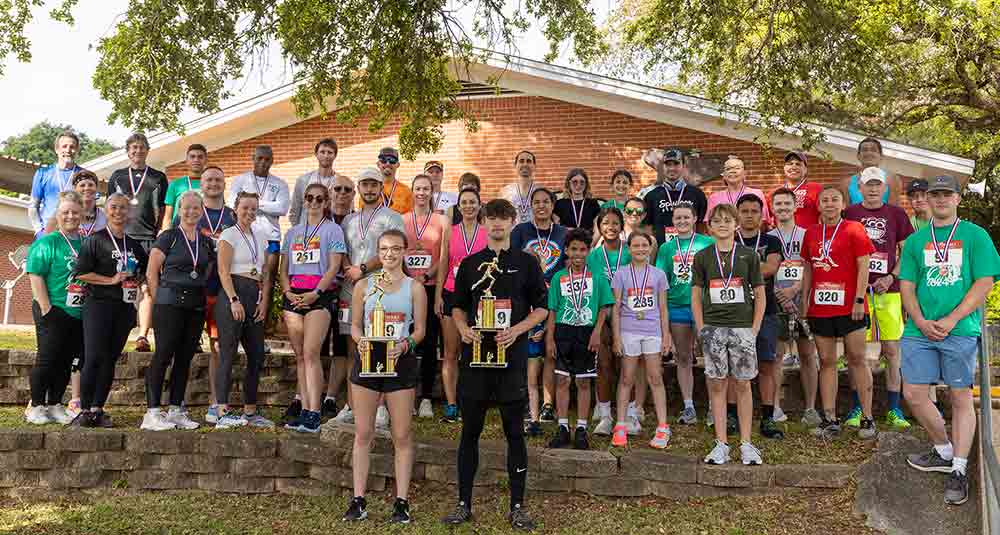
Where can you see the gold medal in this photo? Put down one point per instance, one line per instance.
(640, 316)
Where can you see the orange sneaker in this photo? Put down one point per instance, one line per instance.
(619, 436)
(662, 438)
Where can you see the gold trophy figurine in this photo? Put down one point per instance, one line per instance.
(375, 346)
(486, 322)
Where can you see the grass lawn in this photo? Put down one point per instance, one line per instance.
(25, 340)
(120, 512)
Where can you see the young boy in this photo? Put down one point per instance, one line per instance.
(578, 301)
(727, 303)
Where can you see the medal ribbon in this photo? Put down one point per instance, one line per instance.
(826, 246)
(729, 196)
(420, 229)
(607, 261)
(543, 247)
(578, 217)
(577, 300)
(366, 226)
(251, 243)
(196, 251)
(755, 245)
(123, 252)
(732, 267)
(686, 254)
(131, 183)
(262, 188)
(70, 244)
(308, 236)
(679, 197)
(941, 254)
(387, 199)
(89, 231)
(64, 183)
(213, 228)
(467, 243)
(635, 280)
(786, 245)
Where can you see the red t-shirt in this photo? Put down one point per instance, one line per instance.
(806, 204)
(835, 279)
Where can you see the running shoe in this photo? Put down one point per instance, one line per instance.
(311, 423)
(867, 430)
(329, 409)
(893, 418)
(634, 427)
(769, 429)
(853, 418)
(400, 511)
(295, 423)
(292, 412)
(155, 420)
(346, 416)
(929, 462)
(460, 515)
(580, 441)
(619, 436)
(533, 429)
(779, 415)
(790, 360)
(827, 429)
(956, 488)
(811, 418)
(450, 414)
(59, 413)
(750, 455)
(596, 415)
(231, 419)
(356, 510)
(689, 416)
(604, 427)
(258, 420)
(38, 415)
(84, 419)
(179, 417)
(426, 409)
(103, 420)
(561, 438)
(520, 520)
(73, 408)
(661, 439)
(382, 418)
(212, 415)
(267, 348)
(719, 454)
(548, 413)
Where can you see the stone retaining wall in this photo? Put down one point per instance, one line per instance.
(254, 463)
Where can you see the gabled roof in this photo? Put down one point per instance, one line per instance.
(273, 110)
(16, 174)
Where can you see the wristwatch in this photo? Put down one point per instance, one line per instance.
(859, 300)
(234, 299)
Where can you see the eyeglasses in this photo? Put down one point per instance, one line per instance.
(634, 211)
(318, 198)
(395, 249)
(388, 158)
(343, 189)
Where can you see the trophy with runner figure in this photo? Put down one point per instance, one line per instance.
(381, 336)
(492, 317)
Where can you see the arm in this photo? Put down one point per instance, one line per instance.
(419, 297)
(861, 285)
(616, 323)
(167, 217)
(696, 312)
(295, 208)
(806, 288)
(279, 206)
(974, 298)
(286, 285)
(441, 276)
(462, 324)
(34, 207)
(358, 312)
(550, 336)
(594, 344)
(508, 337)
(156, 260)
(770, 265)
(759, 305)
(667, 340)
(930, 329)
(268, 280)
(40, 292)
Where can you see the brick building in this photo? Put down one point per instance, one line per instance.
(15, 231)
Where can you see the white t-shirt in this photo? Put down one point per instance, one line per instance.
(445, 200)
(274, 199)
(243, 254)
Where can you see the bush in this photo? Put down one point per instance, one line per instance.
(993, 305)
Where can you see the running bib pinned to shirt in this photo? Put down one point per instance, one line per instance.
(75, 295)
(305, 256)
(344, 312)
(501, 313)
(790, 271)
(419, 260)
(682, 269)
(879, 263)
(721, 294)
(568, 286)
(130, 291)
(830, 294)
(953, 257)
(670, 233)
(640, 301)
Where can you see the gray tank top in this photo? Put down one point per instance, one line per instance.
(398, 308)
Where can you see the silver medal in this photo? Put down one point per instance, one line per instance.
(194, 274)
(133, 201)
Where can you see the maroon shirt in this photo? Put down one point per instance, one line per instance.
(886, 227)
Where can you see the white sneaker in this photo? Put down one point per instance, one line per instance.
(426, 409)
(719, 454)
(750, 454)
(633, 426)
(779, 415)
(597, 412)
(382, 418)
(38, 415)
(155, 420)
(60, 415)
(345, 416)
(604, 427)
(180, 418)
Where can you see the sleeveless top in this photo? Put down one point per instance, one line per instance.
(398, 302)
(854, 191)
(456, 251)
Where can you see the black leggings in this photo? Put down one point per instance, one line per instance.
(232, 333)
(473, 419)
(428, 348)
(106, 325)
(178, 331)
(60, 342)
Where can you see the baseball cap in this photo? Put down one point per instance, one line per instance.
(872, 173)
(944, 183)
(389, 150)
(800, 156)
(673, 155)
(917, 184)
(433, 163)
(370, 173)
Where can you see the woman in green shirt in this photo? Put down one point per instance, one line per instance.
(675, 258)
(56, 306)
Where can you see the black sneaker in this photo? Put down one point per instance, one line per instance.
(867, 429)
(400, 512)
(548, 414)
(292, 413)
(329, 409)
(561, 440)
(461, 515)
(102, 419)
(85, 419)
(732, 424)
(929, 462)
(956, 488)
(527, 413)
(533, 429)
(356, 510)
(769, 429)
(520, 520)
(580, 441)
(827, 429)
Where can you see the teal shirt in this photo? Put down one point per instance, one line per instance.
(596, 294)
(597, 263)
(679, 276)
(941, 286)
(613, 204)
(51, 258)
(177, 188)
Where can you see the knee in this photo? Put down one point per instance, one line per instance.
(961, 399)
(741, 386)
(402, 439)
(583, 385)
(915, 394)
(363, 435)
(654, 377)
(683, 358)
(562, 382)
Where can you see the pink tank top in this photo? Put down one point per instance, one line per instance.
(457, 252)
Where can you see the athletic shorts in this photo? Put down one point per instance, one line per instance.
(322, 303)
(406, 375)
(767, 338)
(681, 315)
(338, 341)
(951, 361)
(448, 301)
(536, 350)
(210, 326)
(273, 247)
(837, 326)
(729, 352)
(637, 345)
(572, 356)
(792, 327)
(886, 313)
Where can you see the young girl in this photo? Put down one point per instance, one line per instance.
(641, 331)
(621, 186)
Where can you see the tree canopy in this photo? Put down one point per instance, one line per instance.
(36, 144)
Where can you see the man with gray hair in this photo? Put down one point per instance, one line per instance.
(50, 180)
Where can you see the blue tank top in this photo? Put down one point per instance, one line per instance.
(398, 308)
(854, 192)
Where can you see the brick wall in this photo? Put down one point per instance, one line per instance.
(20, 312)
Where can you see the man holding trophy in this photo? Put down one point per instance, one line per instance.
(499, 295)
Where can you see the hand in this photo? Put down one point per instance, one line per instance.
(931, 329)
(618, 348)
(594, 344)
(439, 306)
(507, 337)
(261, 312)
(945, 325)
(308, 298)
(398, 349)
(882, 284)
(237, 310)
(858, 311)
(46, 309)
(755, 329)
(469, 336)
(119, 278)
(537, 336)
(420, 277)
(363, 346)
(667, 345)
(353, 274)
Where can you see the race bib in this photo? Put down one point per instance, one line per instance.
(501, 313)
(954, 255)
(669, 233)
(130, 291)
(303, 256)
(75, 294)
(344, 312)
(720, 295)
(682, 270)
(419, 261)
(790, 271)
(878, 263)
(394, 324)
(830, 294)
(640, 301)
(568, 286)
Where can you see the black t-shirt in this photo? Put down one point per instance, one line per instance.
(768, 245)
(586, 210)
(660, 203)
(99, 255)
(177, 266)
(142, 218)
(520, 280)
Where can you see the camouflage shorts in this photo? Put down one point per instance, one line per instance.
(729, 352)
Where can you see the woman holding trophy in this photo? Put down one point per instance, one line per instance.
(384, 366)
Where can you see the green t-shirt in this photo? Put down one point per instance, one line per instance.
(51, 258)
(918, 224)
(679, 275)
(177, 188)
(595, 295)
(613, 204)
(940, 287)
(727, 306)
(596, 261)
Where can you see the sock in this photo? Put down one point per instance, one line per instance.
(604, 409)
(893, 400)
(173, 408)
(153, 410)
(331, 398)
(946, 451)
(857, 400)
(958, 464)
(564, 422)
(767, 411)
(298, 397)
(731, 410)
(581, 422)
(688, 403)
(631, 408)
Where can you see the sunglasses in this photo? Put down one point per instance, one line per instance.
(634, 211)
(343, 189)
(388, 158)
(318, 198)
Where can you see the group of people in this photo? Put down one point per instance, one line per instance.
(586, 289)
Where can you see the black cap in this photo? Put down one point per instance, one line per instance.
(944, 183)
(800, 156)
(673, 155)
(917, 184)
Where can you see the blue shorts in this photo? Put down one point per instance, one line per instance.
(767, 338)
(536, 349)
(681, 315)
(273, 247)
(951, 362)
